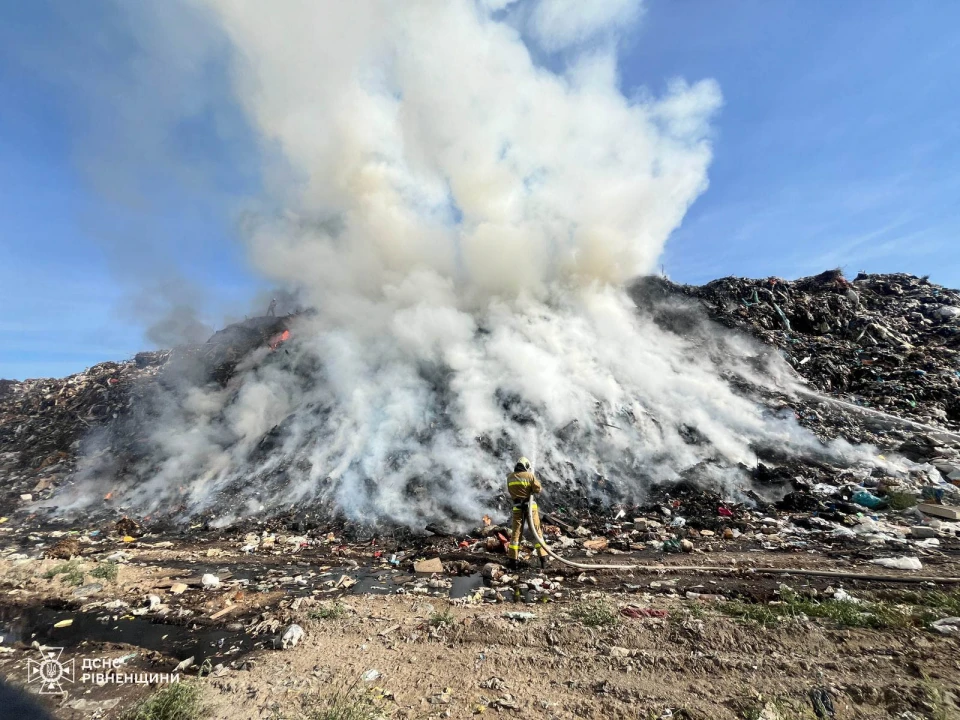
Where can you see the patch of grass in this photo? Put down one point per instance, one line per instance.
(330, 612)
(444, 618)
(176, 701)
(105, 570)
(594, 614)
(936, 699)
(343, 705)
(72, 572)
(946, 602)
(877, 615)
(696, 610)
(757, 707)
(759, 614)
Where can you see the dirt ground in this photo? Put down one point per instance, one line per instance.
(554, 667)
(424, 656)
(695, 662)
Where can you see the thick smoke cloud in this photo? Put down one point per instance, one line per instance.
(429, 134)
(464, 221)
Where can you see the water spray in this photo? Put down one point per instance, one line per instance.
(876, 413)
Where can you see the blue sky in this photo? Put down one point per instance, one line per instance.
(838, 144)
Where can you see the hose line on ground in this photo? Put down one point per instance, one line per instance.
(866, 577)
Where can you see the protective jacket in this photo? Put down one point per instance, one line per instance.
(522, 485)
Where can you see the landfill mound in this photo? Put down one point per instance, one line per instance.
(890, 341)
(886, 343)
(45, 422)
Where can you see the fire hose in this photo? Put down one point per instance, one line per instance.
(866, 577)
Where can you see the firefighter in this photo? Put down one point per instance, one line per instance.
(523, 485)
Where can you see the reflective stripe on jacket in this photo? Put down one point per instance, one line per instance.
(522, 485)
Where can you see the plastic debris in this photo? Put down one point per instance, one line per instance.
(947, 626)
(899, 563)
(292, 636)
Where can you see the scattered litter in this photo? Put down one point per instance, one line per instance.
(597, 544)
(428, 566)
(947, 626)
(87, 590)
(843, 596)
(899, 563)
(291, 637)
(209, 581)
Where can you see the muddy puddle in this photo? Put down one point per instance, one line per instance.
(30, 624)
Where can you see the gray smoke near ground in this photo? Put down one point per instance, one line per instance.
(464, 222)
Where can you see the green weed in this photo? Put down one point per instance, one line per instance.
(877, 615)
(936, 698)
(329, 612)
(176, 701)
(72, 572)
(343, 705)
(105, 571)
(594, 614)
(444, 618)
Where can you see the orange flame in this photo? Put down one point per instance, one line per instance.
(108, 495)
(278, 339)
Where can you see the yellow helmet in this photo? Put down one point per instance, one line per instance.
(525, 463)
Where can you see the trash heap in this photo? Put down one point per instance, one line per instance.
(883, 342)
(43, 422)
(890, 342)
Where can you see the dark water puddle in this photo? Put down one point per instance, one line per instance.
(37, 624)
(465, 585)
(371, 582)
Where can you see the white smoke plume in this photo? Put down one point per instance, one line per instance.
(463, 219)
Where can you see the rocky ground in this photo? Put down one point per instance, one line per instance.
(727, 617)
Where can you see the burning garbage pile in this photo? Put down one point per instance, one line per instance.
(115, 410)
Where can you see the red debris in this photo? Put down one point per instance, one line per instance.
(637, 613)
